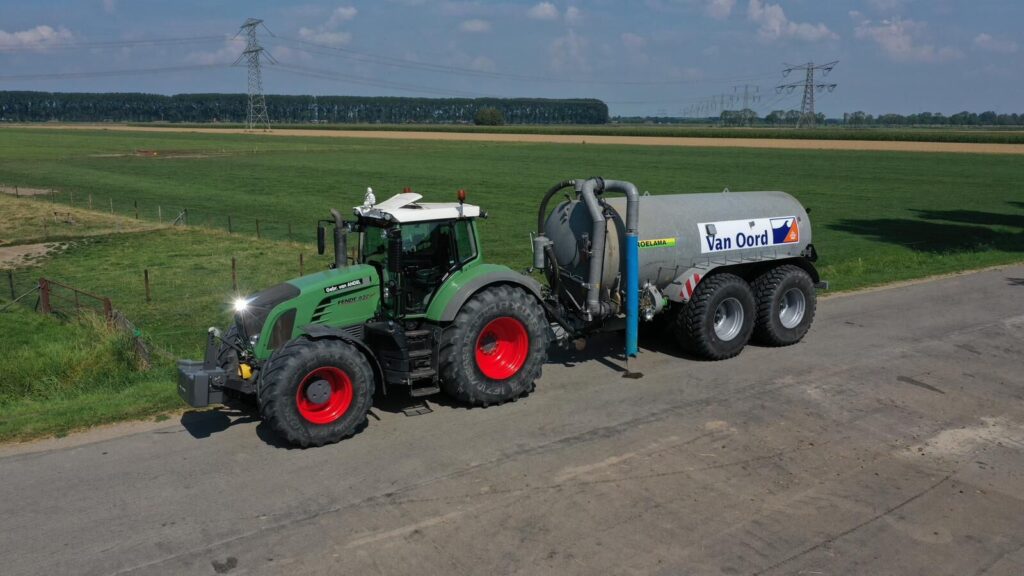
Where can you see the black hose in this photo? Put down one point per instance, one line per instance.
(543, 211)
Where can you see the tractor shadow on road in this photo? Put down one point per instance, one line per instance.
(206, 423)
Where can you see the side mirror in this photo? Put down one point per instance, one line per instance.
(320, 239)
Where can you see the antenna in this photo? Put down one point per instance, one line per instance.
(257, 111)
(808, 117)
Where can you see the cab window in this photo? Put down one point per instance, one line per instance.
(464, 241)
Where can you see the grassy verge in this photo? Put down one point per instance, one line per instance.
(60, 376)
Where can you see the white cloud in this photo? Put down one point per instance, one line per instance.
(573, 16)
(328, 32)
(328, 37)
(475, 25)
(568, 52)
(988, 43)
(631, 40)
(773, 24)
(887, 5)
(38, 38)
(341, 14)
(719, 9)
(543, 11)
(900, 40)
(226, 54)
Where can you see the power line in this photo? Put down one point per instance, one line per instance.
(808, 118)
(253, 53)
(359, 56)
(364, 81)
(107, 73)
(100, 44)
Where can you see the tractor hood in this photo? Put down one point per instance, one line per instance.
(250, 320)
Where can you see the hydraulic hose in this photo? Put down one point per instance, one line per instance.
(542, 213)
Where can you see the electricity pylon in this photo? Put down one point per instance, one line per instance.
(808, 118)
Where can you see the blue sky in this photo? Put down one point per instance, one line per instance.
(642, 56)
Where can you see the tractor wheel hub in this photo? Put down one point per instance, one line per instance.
(318, 391)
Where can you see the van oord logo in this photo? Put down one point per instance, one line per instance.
(785, 231)
(657, 243)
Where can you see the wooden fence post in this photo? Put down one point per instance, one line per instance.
(257, 228)
(44, 296)
(90, 201)
(234, 275)
(136, 209)
(72, 200)
(111, 204)
(10, 282)
(108, 310)
(301, 267)
(229, 223)
(160, 214)
(145, 276)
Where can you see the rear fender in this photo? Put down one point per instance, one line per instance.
(459, 289)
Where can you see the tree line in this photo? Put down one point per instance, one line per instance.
(139, 107)
(748, 117)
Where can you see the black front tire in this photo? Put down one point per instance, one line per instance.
(462, 377)
(291, 367)
(717, 295)
(786, 303)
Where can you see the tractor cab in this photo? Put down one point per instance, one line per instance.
(415, 248)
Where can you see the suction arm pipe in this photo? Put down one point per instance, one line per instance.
(588, 192)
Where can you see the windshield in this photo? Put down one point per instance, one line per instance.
(375, 246)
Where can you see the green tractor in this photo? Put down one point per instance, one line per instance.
(417, 308)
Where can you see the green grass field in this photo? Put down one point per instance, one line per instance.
(991, 135)
(878, 217)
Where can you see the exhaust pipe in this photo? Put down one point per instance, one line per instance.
(340, 240)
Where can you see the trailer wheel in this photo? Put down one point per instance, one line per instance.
(495, 348)
(316, 392)
(717, 322)
(785, 305)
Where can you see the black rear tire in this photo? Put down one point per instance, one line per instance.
(468, 351)
(725, 297)
(303, 419)
(786, 302)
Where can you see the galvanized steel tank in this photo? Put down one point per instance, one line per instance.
(681, 232)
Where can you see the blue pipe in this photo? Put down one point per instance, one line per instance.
(632, 294)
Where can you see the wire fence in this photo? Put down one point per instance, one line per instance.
(151, 210)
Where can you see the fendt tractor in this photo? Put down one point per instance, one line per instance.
(418, 308)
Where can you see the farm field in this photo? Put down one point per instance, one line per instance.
(1006, 135)
(878, 217)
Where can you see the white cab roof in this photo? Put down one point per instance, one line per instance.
(406, 207)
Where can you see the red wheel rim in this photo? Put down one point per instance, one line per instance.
(337, 401)
(501, 348)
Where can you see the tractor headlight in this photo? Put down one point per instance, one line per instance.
(240, 305)
(386, 293)
(254, 339)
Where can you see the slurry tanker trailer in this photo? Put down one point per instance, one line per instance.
(419, 309)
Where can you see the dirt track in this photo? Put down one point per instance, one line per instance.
(949, 147)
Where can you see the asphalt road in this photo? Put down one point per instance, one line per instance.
(889, 442)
